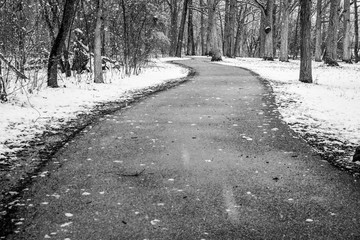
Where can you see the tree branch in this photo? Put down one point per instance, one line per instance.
(18, 73)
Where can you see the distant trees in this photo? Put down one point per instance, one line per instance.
(47, 32)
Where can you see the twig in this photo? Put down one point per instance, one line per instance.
(18, 73)
(137, 174)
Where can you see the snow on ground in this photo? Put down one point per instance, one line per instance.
(330, 107)
(26, 115)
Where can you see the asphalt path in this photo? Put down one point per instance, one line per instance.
(209, 159)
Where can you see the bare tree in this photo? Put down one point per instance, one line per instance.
(69, 11)
(284, 43)
(305, 41)
(318, 38)
(211, 43)
(266, 28)
(330, 55)
(179, 44)
(346, 39)
(356, 30)
(230, 18)
(202, 28)
(173, 5)
(98, 76)
(191, 42)
(240, 33)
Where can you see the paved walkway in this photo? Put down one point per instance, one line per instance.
(210, 159)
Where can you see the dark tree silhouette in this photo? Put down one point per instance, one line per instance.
(55, 53)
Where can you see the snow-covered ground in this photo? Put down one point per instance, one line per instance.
(26, 115)
(330, 107)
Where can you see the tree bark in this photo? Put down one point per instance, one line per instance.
(239, 39)
(356, 30)
(305, 41)
(318, 35)
(229, 48)
(269, 31)
(21, 35)
(126, 39)
(98, 76)
(226, 37)
(212, 44)
(202, 28)
(262, 34)
(182, 28)
(346, 40)
(284, 43)
(295, 50)
(191, 42)
(330, 57)
(54, 58)
(174, 27)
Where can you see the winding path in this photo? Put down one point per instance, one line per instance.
(210, 159)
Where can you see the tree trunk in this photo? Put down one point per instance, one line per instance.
(174, 27)
(191, 42)
(346, 40)
(305, 41)
(54, 58)
(126, 39)
(21, 35)
(202, 28)
(262, 35)
(318, 35)
(269, 31)
(182, 28)
(213, 48)
(356, 30)
(330, 56)
(284, 43)
(98, 76)
(239, 39)
(230, 18)
(226, 36)
(295, 50)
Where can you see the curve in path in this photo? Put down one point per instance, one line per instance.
(210, 159)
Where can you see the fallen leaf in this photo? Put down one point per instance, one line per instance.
(66, 224)
(155, 221)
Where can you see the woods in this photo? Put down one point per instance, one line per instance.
(91, 36)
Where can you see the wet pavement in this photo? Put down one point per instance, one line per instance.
(209, 159)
